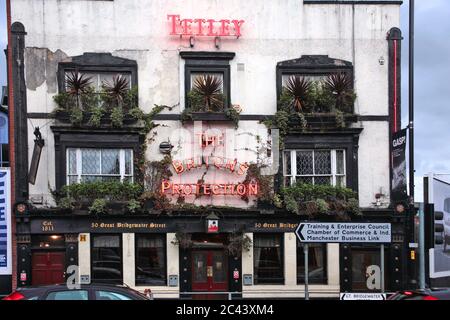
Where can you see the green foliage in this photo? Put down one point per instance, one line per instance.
(265, 183)
(112, 190)
(207, 90)
(67, 203)
(76, 116)
(98, 206)
(302, 121)
(117, 117)
(297, 88)
(340, 120)
(133, 206)
(319, 199)
(322, 206)
(238, 242)
(136, 113)
(186, 115)
(233, 115)
(96, 117)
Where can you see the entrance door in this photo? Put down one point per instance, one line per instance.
(209, 273)
(47, 268)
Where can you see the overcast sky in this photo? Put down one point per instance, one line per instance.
(432, 91)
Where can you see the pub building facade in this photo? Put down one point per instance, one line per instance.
(196, 121)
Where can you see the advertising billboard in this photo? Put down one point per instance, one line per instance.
(5, 223)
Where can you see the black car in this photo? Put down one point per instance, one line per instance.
(426, 294)
(85, 292)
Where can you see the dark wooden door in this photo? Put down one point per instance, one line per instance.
(47, 268)
(209, 273)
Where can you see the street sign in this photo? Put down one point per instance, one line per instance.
(318, 232)
(363, 296)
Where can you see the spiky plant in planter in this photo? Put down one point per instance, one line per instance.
(116, 90)
(340, 85)
(207, 89)
(298, 89)
(76, 86)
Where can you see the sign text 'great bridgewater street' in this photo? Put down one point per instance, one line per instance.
(344, 232)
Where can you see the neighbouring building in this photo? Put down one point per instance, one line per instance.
(176, 146)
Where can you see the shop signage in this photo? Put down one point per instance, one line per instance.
(200, 188)
(209, 189)
(222, 163)
(362, 296)
(5, 222)
(204, 27)
(344, 232)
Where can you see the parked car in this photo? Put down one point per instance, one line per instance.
(86, 292)
(427, 294)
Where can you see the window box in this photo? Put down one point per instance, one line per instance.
(316, 92)
(64, 117)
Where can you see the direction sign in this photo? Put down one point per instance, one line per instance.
(313, 232)
(362, 296)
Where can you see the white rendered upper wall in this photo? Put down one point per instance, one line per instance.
(273, 31)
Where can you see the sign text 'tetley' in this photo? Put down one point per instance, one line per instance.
(204, 27)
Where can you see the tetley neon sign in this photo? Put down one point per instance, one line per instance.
(204, 27)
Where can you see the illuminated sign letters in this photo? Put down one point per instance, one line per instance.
(204, 27)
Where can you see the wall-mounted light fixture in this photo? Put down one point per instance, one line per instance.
(165, 147)
(381, 61)
(191, 42)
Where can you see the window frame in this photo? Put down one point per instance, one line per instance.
(208, 62)
(97, 63)
(150, 283)
(122, 175)
(347, 140)
(92, 260)
(312, 65)
(111, 138)
(256, 281)
(324, 280)
(293, 161)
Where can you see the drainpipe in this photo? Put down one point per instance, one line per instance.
(12, 160)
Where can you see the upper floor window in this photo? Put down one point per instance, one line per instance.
(315, 84)
(325, 167)
(207, 80)
(99, 80)
(88, 164)
(101, 68)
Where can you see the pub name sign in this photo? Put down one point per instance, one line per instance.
(204, 27)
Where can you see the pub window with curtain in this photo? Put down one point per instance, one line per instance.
(106, 259)
(268, 255)
(151, 259)
(317, 263)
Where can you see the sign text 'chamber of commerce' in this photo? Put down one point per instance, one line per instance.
(344, 232)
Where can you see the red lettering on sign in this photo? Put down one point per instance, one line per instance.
(198, 27)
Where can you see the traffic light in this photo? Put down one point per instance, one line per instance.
(438, 227)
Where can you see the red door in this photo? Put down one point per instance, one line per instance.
(209, 273)
(47, 268)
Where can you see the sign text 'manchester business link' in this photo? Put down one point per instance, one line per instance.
(345, 232)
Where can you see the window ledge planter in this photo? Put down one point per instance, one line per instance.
(321, 121)
(64, 117)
